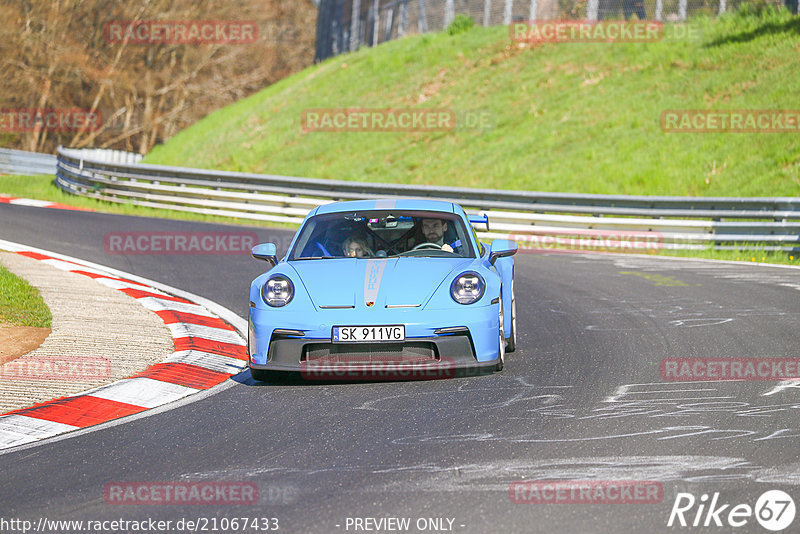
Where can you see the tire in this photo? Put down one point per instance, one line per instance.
(260, 375)
(511, 344)
(501, 345)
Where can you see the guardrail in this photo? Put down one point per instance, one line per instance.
(535, 219)
(22, 162)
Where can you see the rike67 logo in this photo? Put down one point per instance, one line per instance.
(774, 510)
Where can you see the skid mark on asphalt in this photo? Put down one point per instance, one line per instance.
(509, 394)
(739, 273)
(783, 386)
(685, 323)
(658, 411)
(665, 312)
(693, 323)
(497, 475)
(527, 438)
(685, 314)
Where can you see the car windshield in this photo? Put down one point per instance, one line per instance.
(382, 234)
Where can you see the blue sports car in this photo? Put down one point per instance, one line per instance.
(383, 288)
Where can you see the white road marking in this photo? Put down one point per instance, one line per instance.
(19, 429)
(69, 266)
(208, 360)
(156, 304)
(10, 439)
(119, 284)
(31, 202)
(144, 392)
(180, 330)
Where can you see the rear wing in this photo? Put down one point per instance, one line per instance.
(479, 219)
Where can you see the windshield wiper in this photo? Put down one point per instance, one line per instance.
(316, 258)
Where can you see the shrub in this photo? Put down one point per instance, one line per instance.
(460, 24)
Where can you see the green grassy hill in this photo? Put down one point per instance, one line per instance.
(566, 117)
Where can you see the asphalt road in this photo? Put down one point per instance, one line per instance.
(581, 398)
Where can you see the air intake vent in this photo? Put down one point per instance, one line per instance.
(360, 353)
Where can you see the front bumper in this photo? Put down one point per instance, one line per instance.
(437, 356)
(464, 337)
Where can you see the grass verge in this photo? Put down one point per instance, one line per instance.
(758, 255)
(20, 303)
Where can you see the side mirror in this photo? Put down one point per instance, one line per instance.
(267, 252)
(501, 248)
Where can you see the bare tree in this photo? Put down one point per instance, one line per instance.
(57, 54)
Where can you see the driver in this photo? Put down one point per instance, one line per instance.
(433, 230)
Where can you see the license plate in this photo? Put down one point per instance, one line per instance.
(359, 334)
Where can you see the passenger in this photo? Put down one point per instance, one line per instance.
(356, 247)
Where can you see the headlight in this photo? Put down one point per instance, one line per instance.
(278, 291)
(467, 288)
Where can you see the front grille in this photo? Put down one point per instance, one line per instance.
(360, 353)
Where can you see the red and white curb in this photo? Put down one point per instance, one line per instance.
(208, 351)
(4, 199)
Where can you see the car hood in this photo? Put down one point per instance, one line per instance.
(409, 281)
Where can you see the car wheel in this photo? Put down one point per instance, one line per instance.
(261, 376)
(501, 345)
(511, 345)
